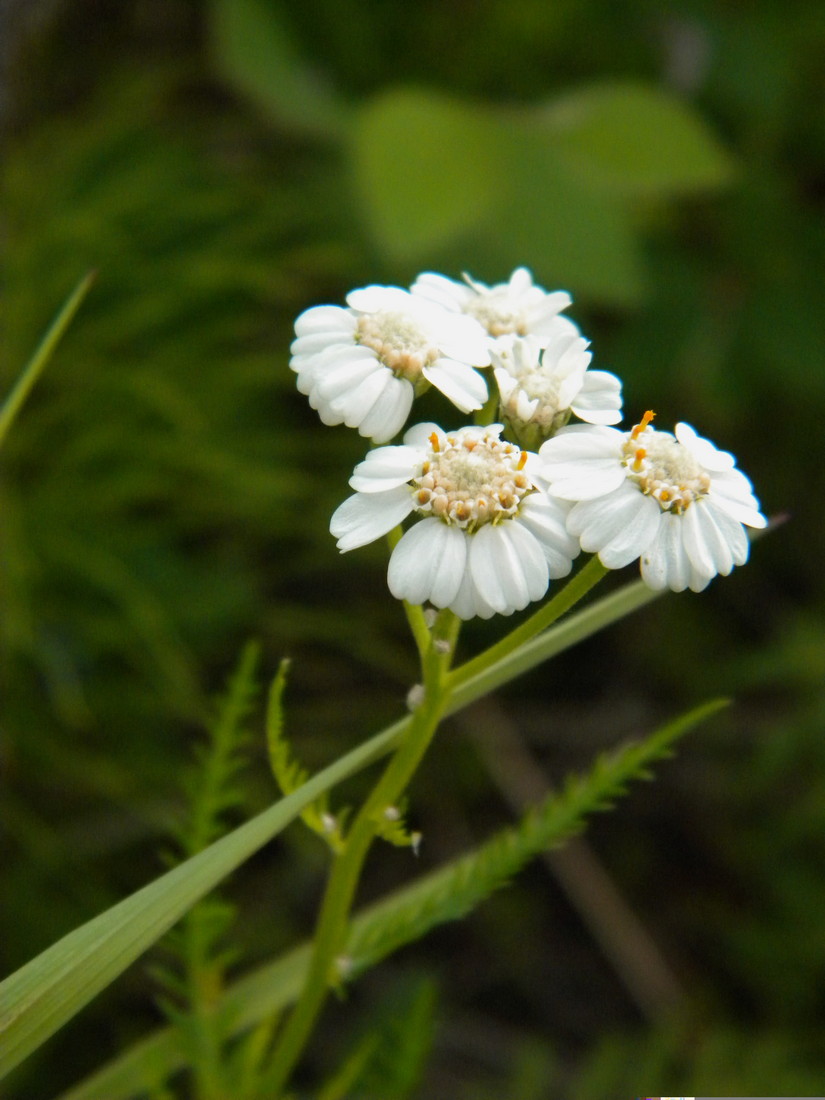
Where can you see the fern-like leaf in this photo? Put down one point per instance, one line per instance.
(192, 981)
(290, 774)
(451, 893)
(392, 827)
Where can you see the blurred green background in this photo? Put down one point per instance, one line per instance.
(165, 494)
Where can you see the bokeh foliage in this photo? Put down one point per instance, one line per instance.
(165, 494)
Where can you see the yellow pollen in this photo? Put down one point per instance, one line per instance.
(522, 462)
(434, 442)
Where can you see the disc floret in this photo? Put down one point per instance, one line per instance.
(663, 468)
(470, 479)
(399, 343)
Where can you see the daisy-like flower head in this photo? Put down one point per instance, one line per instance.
(515, 308)
(488, 539)
(363, 364)
(673, 501)
(539, 387)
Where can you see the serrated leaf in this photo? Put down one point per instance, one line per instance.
(445, 894)
(289, 774)
(427, 168)
(41, 996)
(635, 140)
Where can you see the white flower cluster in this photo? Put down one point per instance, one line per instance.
(504, 508)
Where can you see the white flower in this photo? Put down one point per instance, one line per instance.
(362, 365)
(540, 387)
(674, 501)
(515, 308)
(489, 539)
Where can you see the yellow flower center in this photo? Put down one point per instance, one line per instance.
(471, 479)
(397, 341)
(663, 468)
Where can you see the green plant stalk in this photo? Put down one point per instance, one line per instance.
(34, 368)
(577, 587)
(331, 929)
(41, 996)
(271, 988)
(477, 678)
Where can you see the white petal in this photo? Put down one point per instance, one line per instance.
(385, 468)
(599, 401)
(329, 319)
(428, 563)
(375, 299)
(389, 413)
(311, 368)
(461, 384)
(595, 479)
(708, 553)
(364, 518)
(346, 373)
(441, 290)
(462, 338)
(705, 453)
(617, 526)
(508, 566)
(355, 404)
(545, 323)
(545, 518)
(469, 602)
(579, 443)
(730, 532)
(419, 436)
(731, 491)
(665, 564)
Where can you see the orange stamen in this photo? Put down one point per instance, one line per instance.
(434, 442)
(522, 462)
(640, 427)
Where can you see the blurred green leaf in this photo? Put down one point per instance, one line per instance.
(427, 167)
(635, 140)
(440, 176)
(254, 50)
(577, 235)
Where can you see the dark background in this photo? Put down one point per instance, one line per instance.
(166, 494)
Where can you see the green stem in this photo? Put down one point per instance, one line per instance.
(326, 968)
(33, 369)
(546, 615)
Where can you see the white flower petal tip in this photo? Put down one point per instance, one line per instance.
(488, 538)
(675, 502)
(361, 365)
(540, 387)
(516, 308)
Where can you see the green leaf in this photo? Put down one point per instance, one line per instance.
(40, 997)
(253, 49)
(446, 894)
(289, 774)
(33, 369)
(46, 992)
(576, 234)
(635, 140)
(427, 167)
(450, 178)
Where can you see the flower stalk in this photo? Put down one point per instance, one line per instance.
(326, 967)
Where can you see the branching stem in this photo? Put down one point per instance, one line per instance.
(326, 968)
